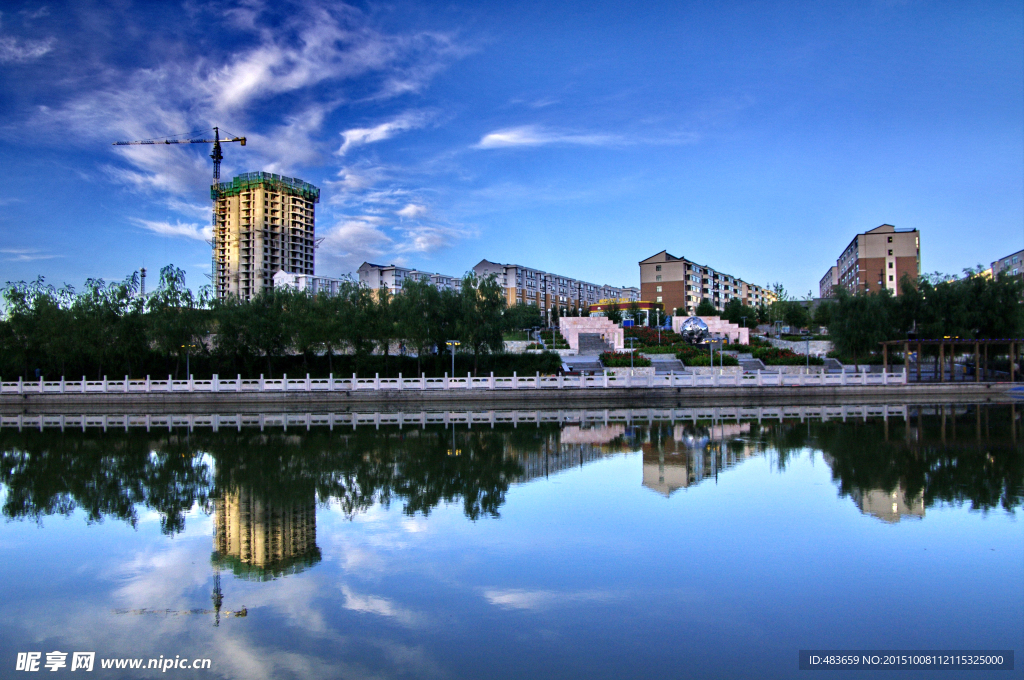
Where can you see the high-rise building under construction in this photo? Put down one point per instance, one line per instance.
(262, 224)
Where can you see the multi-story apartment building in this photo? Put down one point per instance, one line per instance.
(308, 283)
(1011, 264)
(878, 259)
(392, 277)
(263, 224)
(828, 282)
(679, 283)
(546, 290)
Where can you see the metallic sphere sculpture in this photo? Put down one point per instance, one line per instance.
(694, 331)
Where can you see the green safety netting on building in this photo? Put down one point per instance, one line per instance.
(251, 180)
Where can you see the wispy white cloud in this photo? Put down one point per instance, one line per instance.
(428, 239)
(412, 211)
(303, 68)
(193, 231)
(359, 136)
(534, 135)
(14, 50)
(26, 255)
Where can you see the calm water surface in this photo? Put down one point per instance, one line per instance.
(700, 546)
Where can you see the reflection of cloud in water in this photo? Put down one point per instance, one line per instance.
(381, 606)
(537, 600)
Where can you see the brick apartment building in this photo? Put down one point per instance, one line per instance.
(679, 283)
(876, 260)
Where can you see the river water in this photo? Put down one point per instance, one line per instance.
(570, 544)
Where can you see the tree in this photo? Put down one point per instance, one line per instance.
(480, 324)
(795, 315)
(521, 316)
(177, 319)
(706, 308)
(679, 311)
(823, 314)
(613, 313)
(737, 312)
(417, 307)
(634, 312)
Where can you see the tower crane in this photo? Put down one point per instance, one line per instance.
(217, 156)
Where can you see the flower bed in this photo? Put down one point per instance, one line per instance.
(648, 337)
(623, 359)
(774, 356)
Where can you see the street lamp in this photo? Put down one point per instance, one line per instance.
(631, 351)
(453, 344)
(188, 354)
(807, 352)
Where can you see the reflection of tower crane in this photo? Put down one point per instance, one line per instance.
(218, 600)
(217, 156)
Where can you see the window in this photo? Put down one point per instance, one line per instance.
(658, 277)
(890, 277)
(659, 289)
(659, 298)
(657, 268)
(890, 251)
(890, 265)
(889, 240)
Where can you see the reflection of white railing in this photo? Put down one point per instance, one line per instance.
(423, 383)
(468, 418)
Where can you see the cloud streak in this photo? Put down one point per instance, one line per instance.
(359, 136)
(191, 231)
(26, 255)
(534, 135)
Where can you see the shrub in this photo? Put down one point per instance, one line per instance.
(775, 356)
(622, 359)
(705, 360)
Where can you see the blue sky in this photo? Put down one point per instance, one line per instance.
(576, 137)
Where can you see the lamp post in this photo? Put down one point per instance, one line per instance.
(188, 356)
(807, 353)
(453, 344)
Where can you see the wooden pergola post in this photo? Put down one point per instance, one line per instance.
(1013, 361)
(918, 362)
(986, 362)
(977, 368)
(942, 366)
(906, 362)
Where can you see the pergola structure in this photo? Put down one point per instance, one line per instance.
(980, 353)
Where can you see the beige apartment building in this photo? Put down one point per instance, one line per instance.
(378, 277)
(678, 283)
(828, 283)
(263, 224)
(546, 290)
(1012, 265)
(876, 260)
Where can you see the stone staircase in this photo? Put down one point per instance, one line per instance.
(590, 364)
(592, 344)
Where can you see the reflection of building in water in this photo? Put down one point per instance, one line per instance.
(260, 538)
(889, 506)
(692, 455)
(572, 447)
